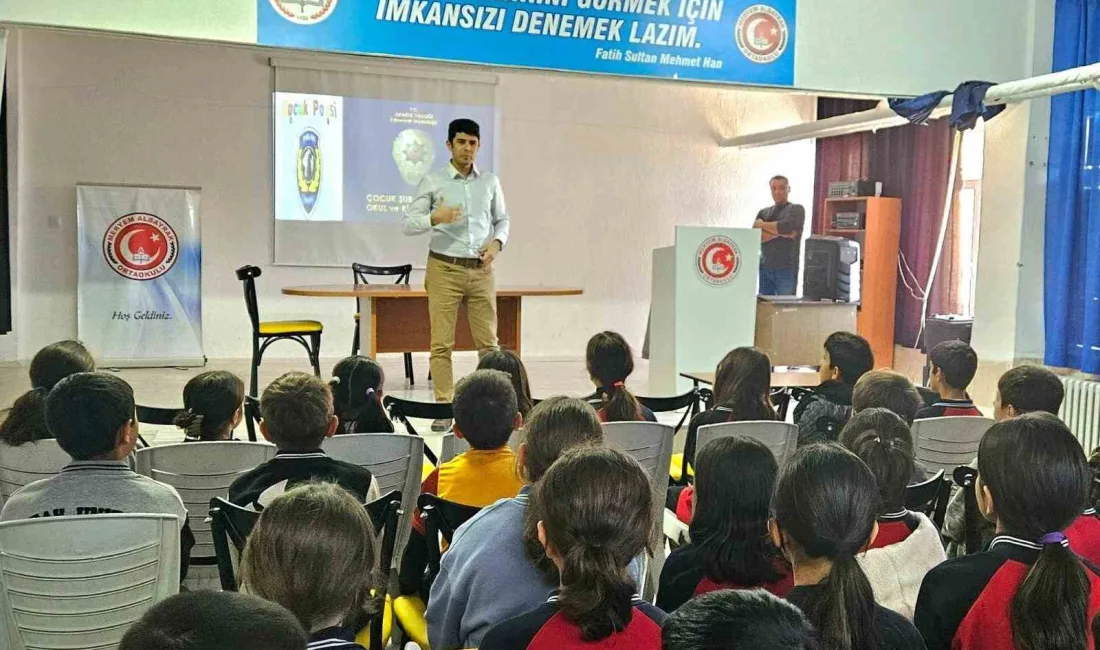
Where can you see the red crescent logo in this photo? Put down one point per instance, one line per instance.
(717, 260)
(140, 246)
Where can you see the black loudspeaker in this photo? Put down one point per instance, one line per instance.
(944, 327)
(832, 269)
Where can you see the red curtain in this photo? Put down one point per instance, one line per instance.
(843, 158)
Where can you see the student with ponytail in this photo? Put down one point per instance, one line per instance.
(357, 396)
(594, 516)
(610, 361)
(26, 421)
(823, 516)
(213, 406)
(1029, 590)
(509, 362)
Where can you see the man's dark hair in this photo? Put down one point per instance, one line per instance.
(889, 390)
(1031, 388)
(780, 177)
(463, 125)
(485, 408)
(850, 354)
(957, 362)
(85, 411)
(297, 409)
(216, 620)
(737, 620)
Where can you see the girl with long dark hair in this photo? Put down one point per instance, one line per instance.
(610, 361)
(823, 516)
(509, 362)
(213, 406)
(730, 547)
(357, 396)
(1029, 590)
(594, 516)
(26, 420)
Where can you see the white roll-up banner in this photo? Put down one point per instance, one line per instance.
(140, 281)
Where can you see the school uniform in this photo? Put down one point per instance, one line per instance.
(546, 628)
(907, 547)
(894, 632)
(263, 484)
(684, 577)
(894, 528)
(1084, 536)
(964, 603)
(333, 638)
(949, 408)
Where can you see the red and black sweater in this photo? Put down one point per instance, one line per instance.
(964, 603)
(683, 577)
(546, 628)
(1084, 536)
(947, 408)
(895, 528)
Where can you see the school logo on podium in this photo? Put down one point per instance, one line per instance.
(140, 246)
(304, 12)
(309, 169)
(717, 260)
(761, 34)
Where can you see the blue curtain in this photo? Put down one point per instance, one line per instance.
(1072, 247)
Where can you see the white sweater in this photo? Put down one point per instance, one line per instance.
(896, 571)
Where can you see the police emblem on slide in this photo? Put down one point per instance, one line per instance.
(140, 246)
(761, 34)
(414, 155)
(717, 260)
(304, 12)
(308, 163)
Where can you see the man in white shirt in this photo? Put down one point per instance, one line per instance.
(463, 207)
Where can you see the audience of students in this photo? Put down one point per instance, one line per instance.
(954, 364)
(215, 620)
(729, 546)
(821, 415)
(889, 390)
(26, 420)
(213, 406)
(298, 415)
(486, 576)
(356, 386)
(737, 620)
(824, 511)
(907, 545)
(610, 361)
(313, 551)
(509, 362)
(594, 515)
(485, 415)
(1029, 590)
(92, 416)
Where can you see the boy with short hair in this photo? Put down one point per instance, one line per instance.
(953, 366)
(485, 415)
(215, 620)
(297, 416)
(737, 620)
(822, 415)
(92, 416)
(889, 390)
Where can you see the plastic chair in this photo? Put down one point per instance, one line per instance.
(230, 524)
(929, 496)
(452, 446)
(81, 582)
(307, 333)
(360, 273)
(403, 409)
(780, 437)
(201, 471)
(946, 443)
(28, 463)
(395, 460)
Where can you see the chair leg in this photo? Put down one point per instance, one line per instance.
(409, 369)
(253, 386)
(355, 340)
(315, 352)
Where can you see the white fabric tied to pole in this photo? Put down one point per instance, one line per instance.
(884, 117)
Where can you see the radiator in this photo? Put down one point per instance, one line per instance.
(1081, 411)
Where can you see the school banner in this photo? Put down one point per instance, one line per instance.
(732, 41)
(140, 280)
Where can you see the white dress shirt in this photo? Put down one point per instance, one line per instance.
(484, 213)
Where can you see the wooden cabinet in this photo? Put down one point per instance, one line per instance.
(879, 239)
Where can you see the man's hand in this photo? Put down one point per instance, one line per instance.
(489, 253)
(446, 214)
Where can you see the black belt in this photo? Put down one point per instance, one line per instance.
(467, 262)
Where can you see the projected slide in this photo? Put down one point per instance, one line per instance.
(359, 160)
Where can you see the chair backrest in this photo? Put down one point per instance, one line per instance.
(924, 497)
(251, 416)
(688, 402)
(394, 459)
(946, 443)
(361, 272)
(247, 275)
(452, 446)
(441, 519)
(201, 471)
(230, 524)
(28, 463)
(82, 581)
(780, 437)
(157, 415)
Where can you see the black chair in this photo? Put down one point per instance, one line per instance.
(251, 416)
(361, 273)
(966, 477)
(689, 401)
(441, 518)
(384, 513)
(229, 523)
(157, 416)
(307, 333)
(926, 496)
(403, 409)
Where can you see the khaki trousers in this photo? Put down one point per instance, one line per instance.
(448, 286)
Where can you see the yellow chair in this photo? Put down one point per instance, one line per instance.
(264, 333)
(410, 616)
(363, 638)
(676, 468)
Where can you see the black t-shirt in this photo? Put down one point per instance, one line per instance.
(894, 631)
(258, 487)
(783, 252)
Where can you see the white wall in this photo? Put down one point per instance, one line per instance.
(597, 171)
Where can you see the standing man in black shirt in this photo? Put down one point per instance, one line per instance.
(781, 238)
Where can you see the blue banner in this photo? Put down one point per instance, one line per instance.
(731, 41)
